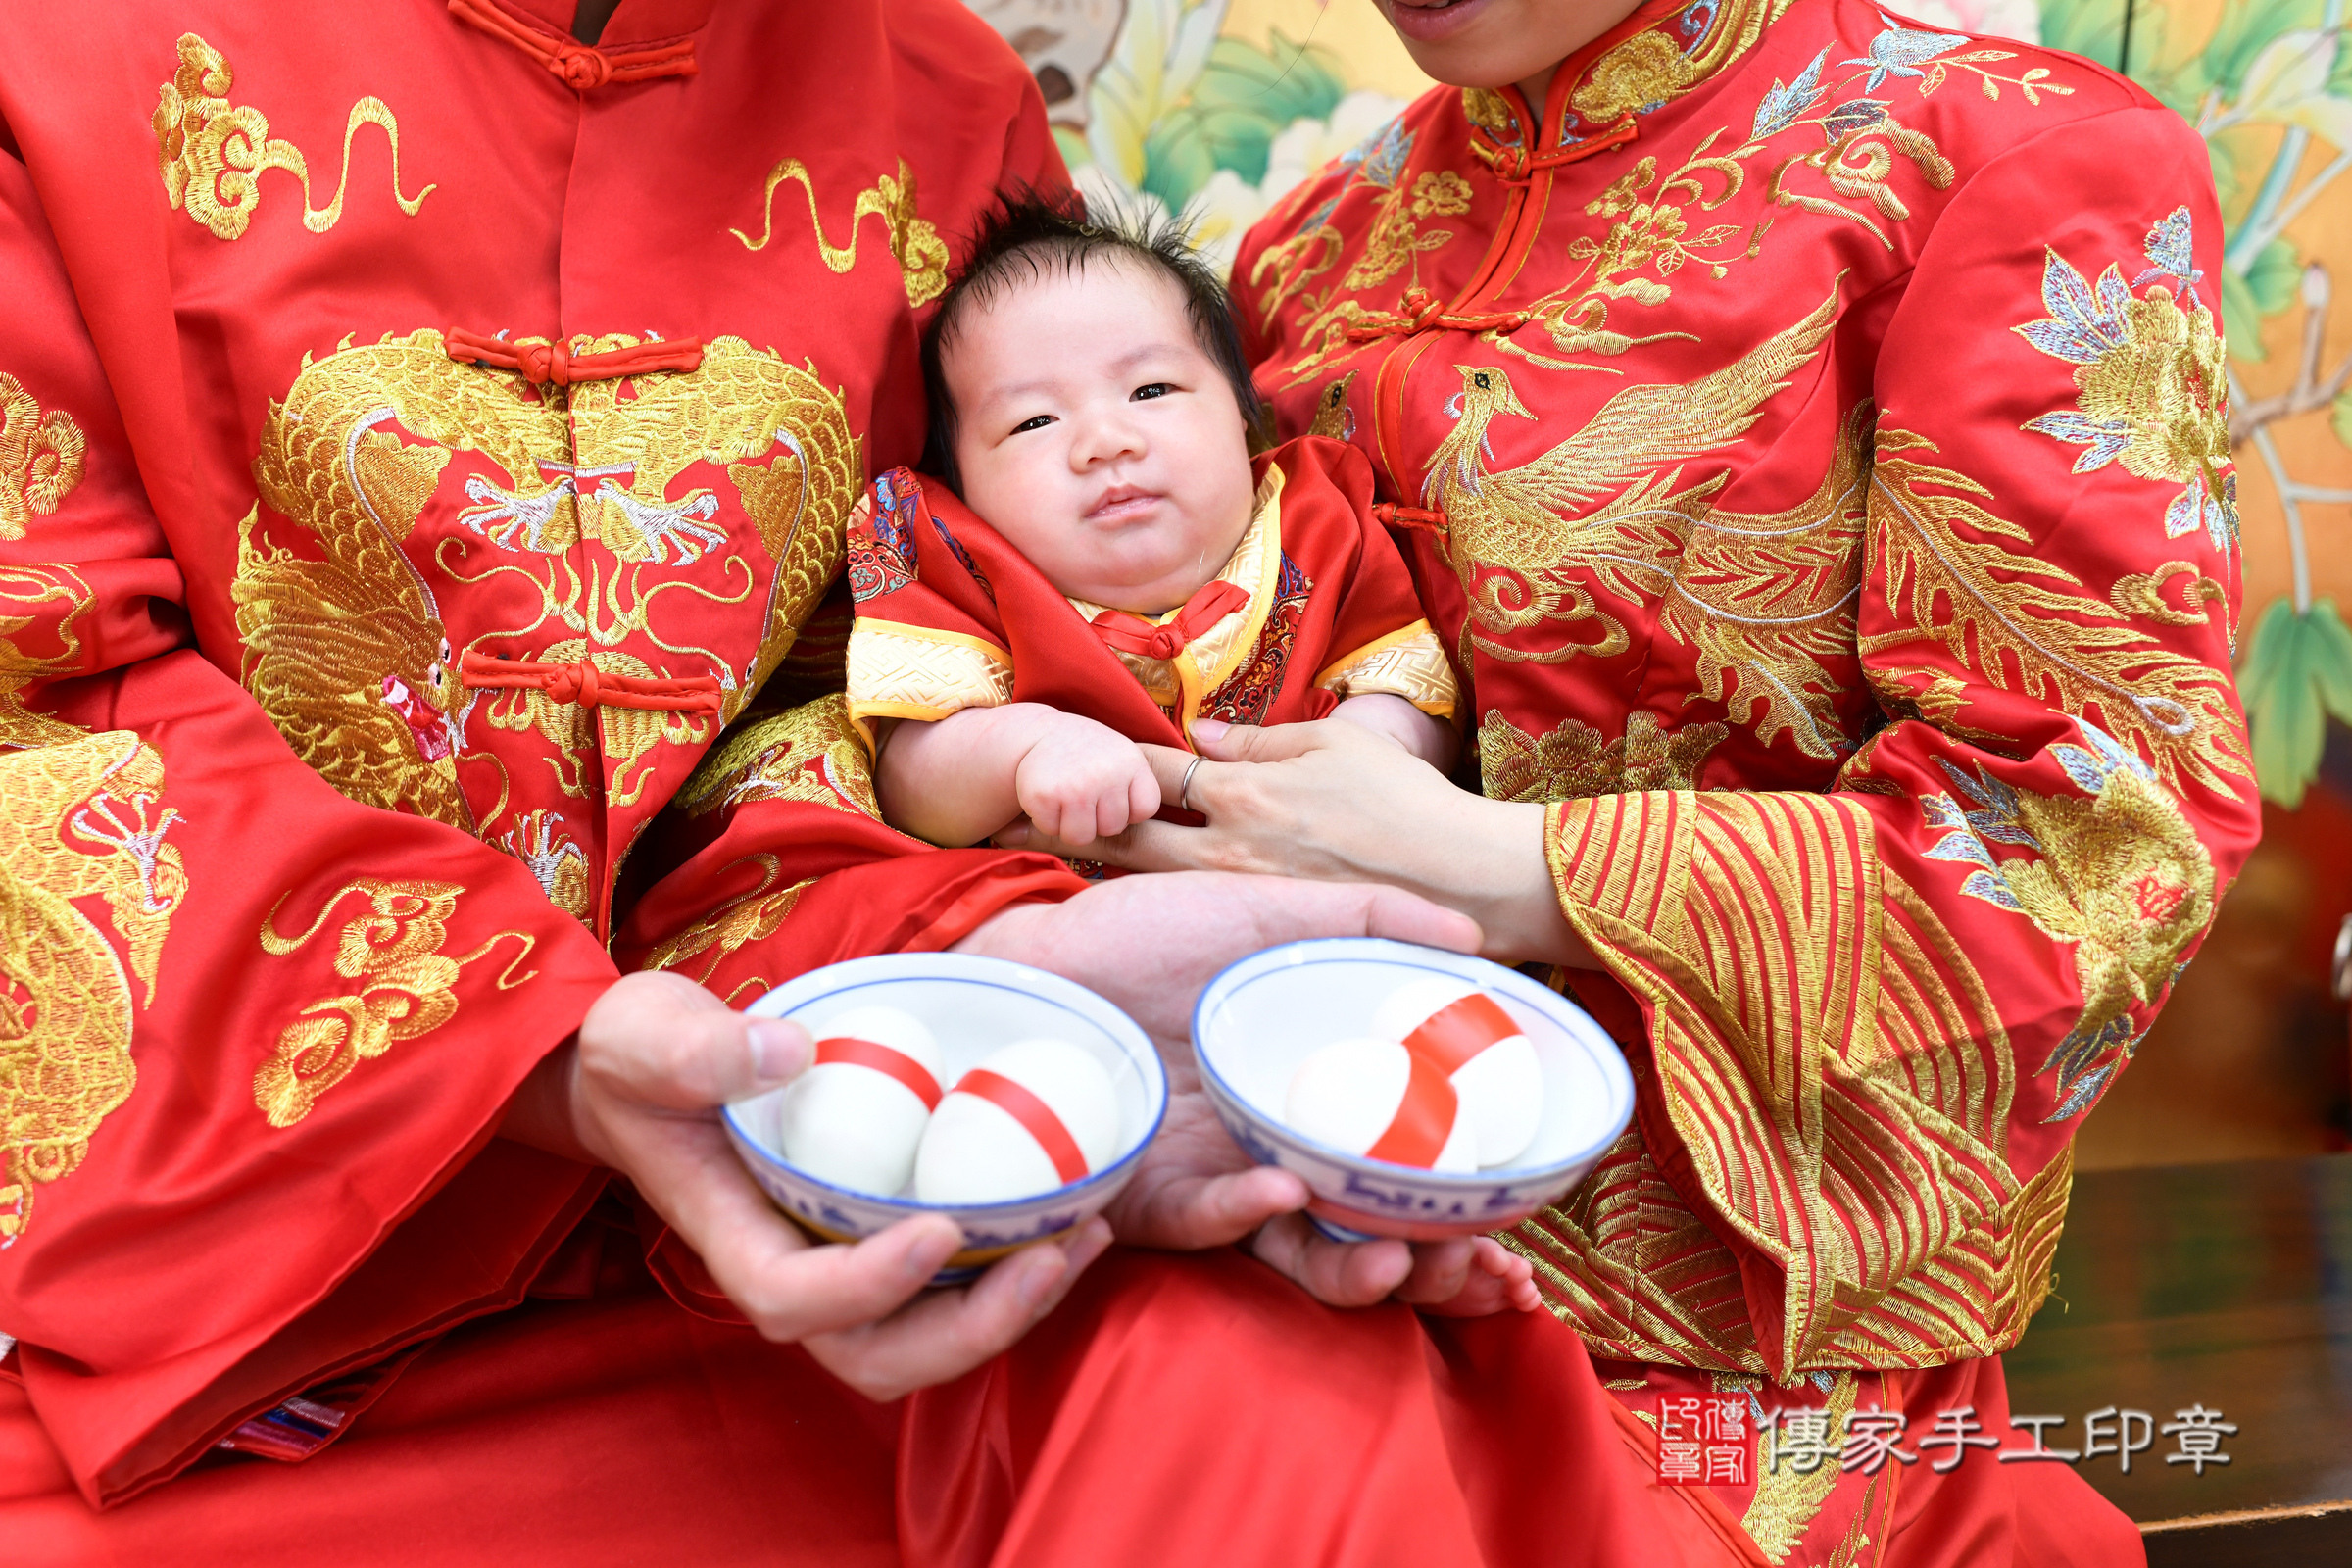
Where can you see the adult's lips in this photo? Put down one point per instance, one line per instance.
(1431, 20)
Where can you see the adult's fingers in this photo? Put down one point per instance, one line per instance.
(1146, 846)
(662, 1040)
(1188, 1213)
(1355, 1274)
(1409, 917)
(1440, 1271)
(949, 1331)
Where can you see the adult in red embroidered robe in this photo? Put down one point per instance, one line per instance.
(1817, 428)
(424, 441)
(949, 615)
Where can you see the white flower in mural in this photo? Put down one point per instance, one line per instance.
(1307, 145)
(2001, 19)
(1227, 205)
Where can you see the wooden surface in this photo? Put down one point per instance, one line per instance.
(2225, 1285)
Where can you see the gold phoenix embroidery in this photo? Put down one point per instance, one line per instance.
(41, 457)
(1951, 579)
(1834, 1069)
(1514, 537)
(212, 153)
(80, 817)
(923, 256)
(405, 990)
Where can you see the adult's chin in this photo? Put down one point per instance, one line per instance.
(1434, 24)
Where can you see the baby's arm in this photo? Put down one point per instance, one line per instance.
(1429, 738)
(959, 779)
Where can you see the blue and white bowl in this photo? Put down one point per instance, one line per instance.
(1259, 1019)
(973, 1006)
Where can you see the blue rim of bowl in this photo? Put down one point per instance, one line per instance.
(1009, 976)
(1611, 1062)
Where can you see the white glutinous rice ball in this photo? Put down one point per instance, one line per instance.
(1035, 1115)
(1352, 1094)
(856, 1117)
(1468, 1036)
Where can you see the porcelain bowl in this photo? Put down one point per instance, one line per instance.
(972, 1005)
(1261, 1017)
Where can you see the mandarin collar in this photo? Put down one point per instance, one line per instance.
(1659, 53)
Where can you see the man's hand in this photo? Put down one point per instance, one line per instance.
(1081, 780)
(658, 1054)
(1150, 944)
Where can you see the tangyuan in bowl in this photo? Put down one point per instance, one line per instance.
(1317, 1016)
(943, 1024)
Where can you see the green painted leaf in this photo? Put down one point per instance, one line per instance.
(1176, 160)
(2241, 318)
(2275, 276)
(2245, 29)
(2092, 29)
(1276, 85)
(2298, 670)
(2339, 415)
(2224, 169)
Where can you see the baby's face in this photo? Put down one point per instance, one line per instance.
(1097, 436)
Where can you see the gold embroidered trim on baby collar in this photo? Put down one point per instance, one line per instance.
(1209, 659)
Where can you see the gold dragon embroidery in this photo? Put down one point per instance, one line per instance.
(346, 648)
(921, 255)
(405, 991)
(213, 153)
(41, 457)
(81, 818)
(807, 754)
(538, 841)
(754, 916)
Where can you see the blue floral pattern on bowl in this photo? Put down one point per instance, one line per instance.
(1262, 1017)
(973, 1006)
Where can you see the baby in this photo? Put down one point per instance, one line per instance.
(1117, 567)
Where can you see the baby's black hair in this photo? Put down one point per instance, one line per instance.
(1028, 232)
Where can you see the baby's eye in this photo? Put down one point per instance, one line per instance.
(1151, 389)
(1036, 421)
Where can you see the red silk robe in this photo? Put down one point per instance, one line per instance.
(1822, 426)
(949, 615)
(300, 883)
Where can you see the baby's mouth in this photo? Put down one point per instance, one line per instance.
(1120, 503)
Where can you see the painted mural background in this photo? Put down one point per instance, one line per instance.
(1220, 106)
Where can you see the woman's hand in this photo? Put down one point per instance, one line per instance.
(1333, 803)
(656, 1057)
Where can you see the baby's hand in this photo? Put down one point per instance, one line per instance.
(1081, 780)
(1497, 1280)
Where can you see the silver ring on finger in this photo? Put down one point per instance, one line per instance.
(1184, 789)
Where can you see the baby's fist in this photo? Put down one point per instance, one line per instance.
(1081, 781)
